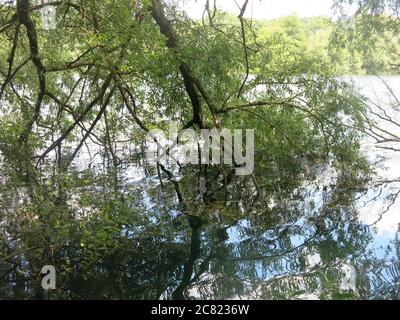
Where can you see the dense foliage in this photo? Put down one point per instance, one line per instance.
(371, 34)
(341, 44)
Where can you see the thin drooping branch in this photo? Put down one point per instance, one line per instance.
(93, 125)
(71, 66)
(109, 140)
(125, 94)
(211, 13)
(256, 104)
(77, 63)
(24, 18)
(12, 75)
(10, 61)
(96, 100)
(63, 106)
(246, 55)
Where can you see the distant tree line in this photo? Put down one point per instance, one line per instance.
(349, 46)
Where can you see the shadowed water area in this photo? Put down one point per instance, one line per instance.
(134, 231)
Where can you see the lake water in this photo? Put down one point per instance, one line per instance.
(313, 236)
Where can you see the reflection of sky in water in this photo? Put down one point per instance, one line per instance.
(374, 207)
(308, 204)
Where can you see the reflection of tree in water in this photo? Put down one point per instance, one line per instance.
(267, 246)
(200, 236)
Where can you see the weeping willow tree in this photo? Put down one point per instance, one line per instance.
(100, 76)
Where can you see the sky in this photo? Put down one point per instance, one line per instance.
(265, 9)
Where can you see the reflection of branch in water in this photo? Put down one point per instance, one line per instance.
(387, 209)
(376, 128)
(195, 223)
(389, 148)
(278, 255)
(195, 241)
(195, 248)
(321, 232)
